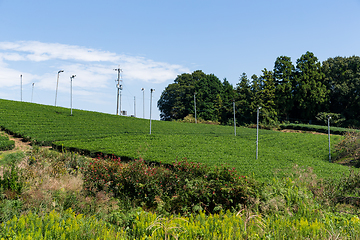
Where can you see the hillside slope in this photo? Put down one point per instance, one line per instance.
(127, 137)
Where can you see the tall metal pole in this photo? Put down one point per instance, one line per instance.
(329, 137)
(143, 90)
(134, 106)
(234, 117)
(21, 87)
(151, 91)
(119, 88)
(32, 92)
(120, 104)
(71, 79)
(195, 106)
(257, 132)
(57, 84)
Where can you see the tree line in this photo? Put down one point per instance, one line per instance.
(308, 91)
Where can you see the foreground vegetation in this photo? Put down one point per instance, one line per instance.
(5, 143)
(50, 194)
(184, 181)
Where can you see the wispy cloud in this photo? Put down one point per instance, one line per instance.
(92, 67)
(38, 51)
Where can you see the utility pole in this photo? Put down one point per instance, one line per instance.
(21, 87)
(134, 106)
(32, 92)
(195, 106)
(57, 84)
(143, 90)
(257, 132)
(234, 117)
(71, 79)
(329, 137)
(119, 88)
(151, 91)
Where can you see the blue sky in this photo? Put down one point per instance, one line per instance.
(154, 41)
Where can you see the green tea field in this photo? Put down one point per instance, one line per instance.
(93, 133)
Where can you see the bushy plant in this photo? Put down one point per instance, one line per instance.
(179, 187)
(348, 150)
(191, 119)
(11, 182)
(53, 182)
(5, 143)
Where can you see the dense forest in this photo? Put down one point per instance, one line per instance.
(308, 92)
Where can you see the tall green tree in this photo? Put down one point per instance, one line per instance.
(310, 91)
(177, 100)
(243, 97)
(226, 109)
(268, 97)
(209, 91)
(257, 85)
(284, 82)
(342, 75)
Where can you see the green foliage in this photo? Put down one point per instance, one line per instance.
(12, 158)
(311, 92)
(294, 204)
(243, 100)
(348, 150)
(67, 225)
(245, 224)
(10, 181)
(317, 128)
(10, 208)
(342, 77)
(284, 85)
(191, 119)
(336, 118)
(180, 187)
(267, 95)
(177, 100)
(6, 144)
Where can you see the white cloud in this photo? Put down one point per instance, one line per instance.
(93, 67)
(11, 77)
(11, 57)
(150, 71)
(38, 51)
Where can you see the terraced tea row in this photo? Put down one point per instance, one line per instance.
(92, 132)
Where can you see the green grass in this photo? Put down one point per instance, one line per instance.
(5, 143)
(9, 158)
(93, 132)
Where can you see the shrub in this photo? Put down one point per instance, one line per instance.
(11, 182)
(180, 187)
(6, 144)
(53, 182)
(348, 150)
